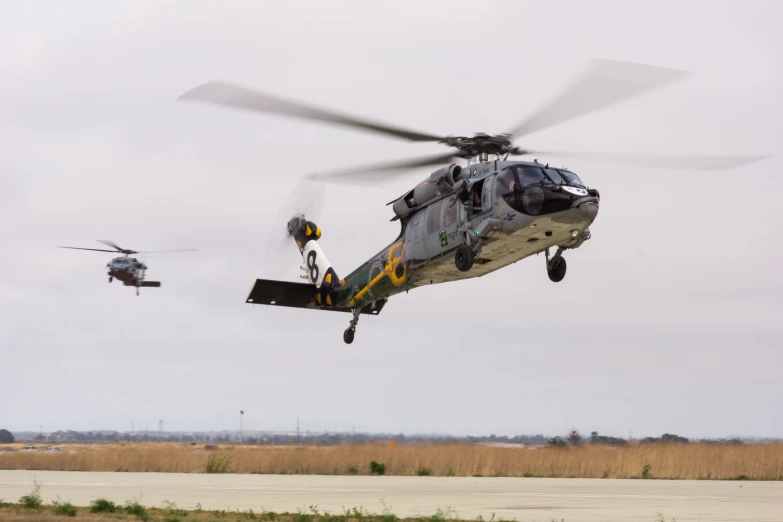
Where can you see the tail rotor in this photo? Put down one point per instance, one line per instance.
(306, 199)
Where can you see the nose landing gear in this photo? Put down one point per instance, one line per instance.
(556, 266)
(464, 258)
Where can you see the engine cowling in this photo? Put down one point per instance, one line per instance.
(449, 175)
(439, 182)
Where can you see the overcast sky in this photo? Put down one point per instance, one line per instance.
(668, 319)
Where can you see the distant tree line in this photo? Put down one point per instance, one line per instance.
(572, 439)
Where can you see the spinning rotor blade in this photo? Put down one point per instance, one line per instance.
(606, 83)
(372, 174)
(223, 93)
(93, 249)
(111, 244)
(307, 199)
(162, 251)
(661, 161)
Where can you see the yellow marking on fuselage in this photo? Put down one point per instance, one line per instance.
(317, 231)
(500, 209)
(389, 270)
(328, 279)
(328, 299)
(308, 230)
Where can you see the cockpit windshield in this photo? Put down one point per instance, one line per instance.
(571, 178)
(555, 176)
(530, 175)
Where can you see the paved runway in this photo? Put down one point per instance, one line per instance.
(524, 499)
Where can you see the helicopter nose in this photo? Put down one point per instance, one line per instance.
(589, 210)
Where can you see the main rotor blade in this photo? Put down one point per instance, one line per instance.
(93, 249)
(111, 244)
(661, 161)
(223, 93)
(162, 251)
(607, 82)
(372, 174)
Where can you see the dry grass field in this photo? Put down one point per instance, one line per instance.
(669, 461)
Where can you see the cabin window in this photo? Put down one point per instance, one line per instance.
(433, 216)
(450, 214)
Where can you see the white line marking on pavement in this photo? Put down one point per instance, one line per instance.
(272, 488)
(89, 484)
(598, 495)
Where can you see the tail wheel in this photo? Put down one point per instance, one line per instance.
(348, 335)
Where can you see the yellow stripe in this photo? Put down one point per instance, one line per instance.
(328, 278)
(307, 230)
(366, 288)
(389, 270)
(317, 231)
(328, 299)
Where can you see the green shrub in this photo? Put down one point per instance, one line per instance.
(103, 506)
(377, 468)
(64, 508)
(132, 507)
(218, 463)
(646, 471)
(423, 472)
(32, 500)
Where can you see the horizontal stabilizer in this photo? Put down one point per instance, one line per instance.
(296, 295)
(155, 284)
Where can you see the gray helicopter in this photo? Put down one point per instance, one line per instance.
(464, 220)
(129, 270)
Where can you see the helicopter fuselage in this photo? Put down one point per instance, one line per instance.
(502, 211)
(505, 217)
(127, 270)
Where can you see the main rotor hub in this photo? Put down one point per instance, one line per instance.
(482, 145)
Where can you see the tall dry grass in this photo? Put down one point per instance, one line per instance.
(673, 461)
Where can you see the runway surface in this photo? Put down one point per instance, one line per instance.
(523, 499)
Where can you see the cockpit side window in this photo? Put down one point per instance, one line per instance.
(530, 175)
(571, 178)
(506, 184)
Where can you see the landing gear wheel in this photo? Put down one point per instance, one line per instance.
(464, 258)
(557, 273)
(111, 279)
(348, 335)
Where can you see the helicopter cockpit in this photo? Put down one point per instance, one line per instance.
(536, 190)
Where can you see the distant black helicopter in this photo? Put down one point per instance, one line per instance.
(127, 269)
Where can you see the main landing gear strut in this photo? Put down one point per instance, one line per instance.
(556, 266)
(351, 330)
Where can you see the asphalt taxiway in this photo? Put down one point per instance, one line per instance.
(523, 499)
